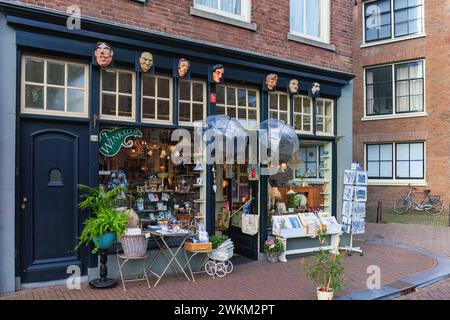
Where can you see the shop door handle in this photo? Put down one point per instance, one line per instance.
(24, 203)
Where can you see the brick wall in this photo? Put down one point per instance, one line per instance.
(271, 17)
(434, 128)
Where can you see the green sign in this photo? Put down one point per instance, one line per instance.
(112, 140)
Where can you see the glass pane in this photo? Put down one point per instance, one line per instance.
(399, 4)
(273, 115)
(414, 26)
(403, 151)
(185, 90)
(297, 104)
(185, 112)
(220, 95)
(403, 104)
(416, 151)
(163, 88)
(109, 80)
(148, 86)
(319, 124)
(242, 113)
(307, 105)
(401, 29)
(403, 88)
(197, 90)
(163, 110)
(416, 103)
(208, 3)
(401, 16)
(75, 77)
(313, 18)
(55, 176)
(34, 97)
(283, 102)
(384, 32)
(402, 71)
(402, 169)
(148, 108)
(328, 125)
(416, 87)
(373, 152)
(125, 106)
(55, 99)
(297, 122)
(311, 153)
(386, 152)
(231, 6)
(125, 82)
(284, 116)
(369, 77)
(75, 100)
(231, 112)
(319, 107)
(386, 169)
(373, 169)
(416, 70)
(297, 14)
(307, 123)
(55, 73)
(416, 168)
(231, 97)
(252, 99)
(34, 71)
(108, 104)
(242, 97)
(197, 112)
(273, 101)
(220, 110)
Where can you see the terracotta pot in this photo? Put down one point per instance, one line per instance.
(324, 295)
(272, 257)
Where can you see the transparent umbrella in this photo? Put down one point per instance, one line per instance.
(281, 138)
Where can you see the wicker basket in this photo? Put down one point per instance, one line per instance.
(134, 246)
(189, 246)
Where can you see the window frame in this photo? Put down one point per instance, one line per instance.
(45, 85)
(247, 88)
(245, 16)
(118, 94)
(311, 115)
(191, 102)
(324, 133)
(409, 160)
(278, 111)
(394, 113)
(392, 37)
(318, 162)
(395, 180)
(392, 161)
(325, 23)
(156, 98)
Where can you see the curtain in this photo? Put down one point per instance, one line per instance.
(313, 18)
(232, 6)
(208, 3)
(297, 15)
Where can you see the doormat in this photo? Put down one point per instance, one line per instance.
(238, 260)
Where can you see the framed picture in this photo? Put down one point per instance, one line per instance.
(295, 223)
(348, 193)
(361, 194)
(359, 209)
(281, 207)
(349, 177)
(347, 208)
(361, 178)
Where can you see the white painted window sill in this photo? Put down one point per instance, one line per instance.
(395, 116)
(412, 183)
(311, 42)
(223, 19)
(378, 43)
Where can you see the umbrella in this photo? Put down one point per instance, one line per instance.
(281, 138)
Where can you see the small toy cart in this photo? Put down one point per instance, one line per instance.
(219, 263)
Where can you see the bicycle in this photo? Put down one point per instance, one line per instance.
(431, 205)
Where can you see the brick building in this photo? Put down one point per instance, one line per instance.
(401, 97)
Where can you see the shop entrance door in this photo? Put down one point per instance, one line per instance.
(53, 160)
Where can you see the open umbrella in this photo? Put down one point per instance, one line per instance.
(278, 137)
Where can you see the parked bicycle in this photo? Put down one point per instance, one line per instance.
(430, 204)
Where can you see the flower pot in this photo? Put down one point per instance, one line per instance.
(324, 295)
(272, 257)
(105, 241)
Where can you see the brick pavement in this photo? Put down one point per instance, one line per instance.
(255, 280)
(436, 291)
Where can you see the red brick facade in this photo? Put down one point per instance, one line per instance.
(271, 17)
(434, 128)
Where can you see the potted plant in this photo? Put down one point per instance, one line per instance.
(326, 270)
(106, 223)
(272, 249)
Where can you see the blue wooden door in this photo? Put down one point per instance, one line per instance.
(53, 161)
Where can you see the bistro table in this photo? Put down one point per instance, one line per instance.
(169, 254)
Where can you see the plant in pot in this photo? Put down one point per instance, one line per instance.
(272, 249)
(326, 270)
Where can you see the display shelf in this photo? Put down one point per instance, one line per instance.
(198, 185)
(199, 201)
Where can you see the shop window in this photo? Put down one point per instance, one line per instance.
(406, 17)
(324, 116)
(237, 9)
(192, 101)
(240, 103)
(303, 114)
(279, 106)
(54, 87)
(117, 94)
(408, 89)
(311, 163)
(156, 99)
(311, 19)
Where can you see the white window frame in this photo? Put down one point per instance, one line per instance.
(302, 114)
(117, 94)
(246, 10)
(316, 179)
(44, 85)
(324, 23)
(156, 98)
(324, 117)
(191, 102)
(226, 105)
(393, 38)
(394, 114)
(278, 111)
(395, 181)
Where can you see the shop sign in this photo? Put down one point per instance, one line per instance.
(112, 140)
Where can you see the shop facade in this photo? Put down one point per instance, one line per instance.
(62, 100)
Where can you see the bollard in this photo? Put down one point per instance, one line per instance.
(379, 218)
(449, 215)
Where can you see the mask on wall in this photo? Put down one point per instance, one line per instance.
(146, 61)
(103, 54)
(315, 89)
(183, 67)
(271, 81)
(217, 73)
(293, 86)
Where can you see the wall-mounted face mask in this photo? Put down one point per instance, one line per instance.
(146, 61)
(103, 54)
